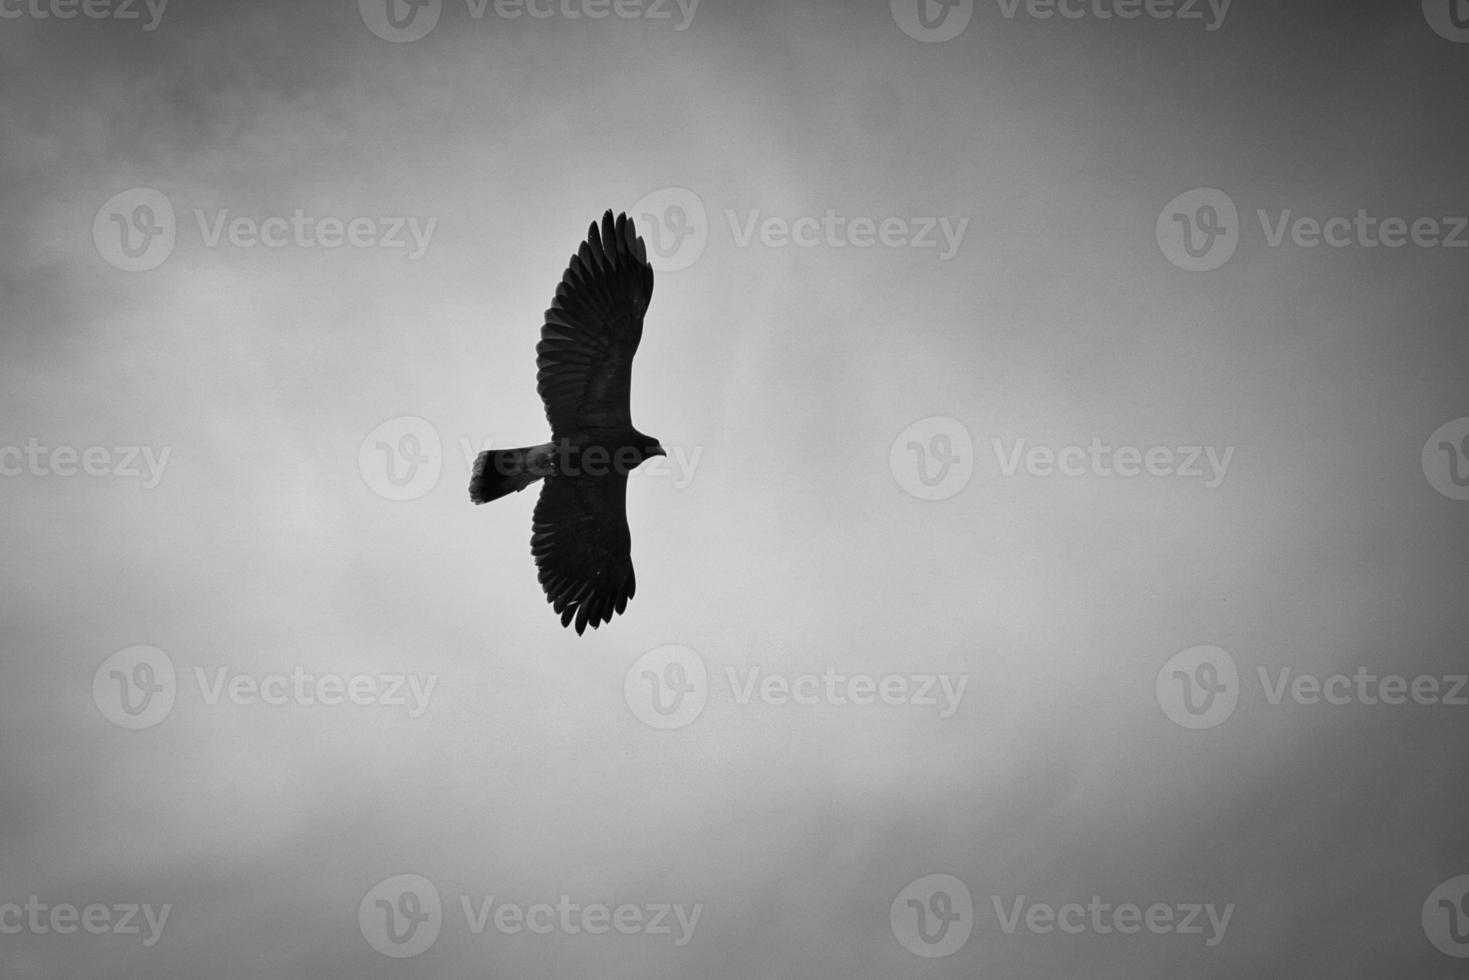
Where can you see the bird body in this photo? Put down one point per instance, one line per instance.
(580, 538)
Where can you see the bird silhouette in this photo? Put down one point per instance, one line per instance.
(579, 534)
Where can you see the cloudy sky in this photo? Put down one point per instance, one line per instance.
(1058, 569)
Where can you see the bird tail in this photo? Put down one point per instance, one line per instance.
(498, 472)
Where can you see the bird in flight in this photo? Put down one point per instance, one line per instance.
(579, 534)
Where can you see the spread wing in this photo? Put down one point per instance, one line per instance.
(592, 331)
(582, 547)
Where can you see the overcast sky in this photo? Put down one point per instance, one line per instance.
(931, 281)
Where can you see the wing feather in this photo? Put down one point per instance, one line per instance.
(592, 330)
(582, 547)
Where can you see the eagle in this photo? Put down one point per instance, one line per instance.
(579, 534)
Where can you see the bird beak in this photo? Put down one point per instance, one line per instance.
(658, 451)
